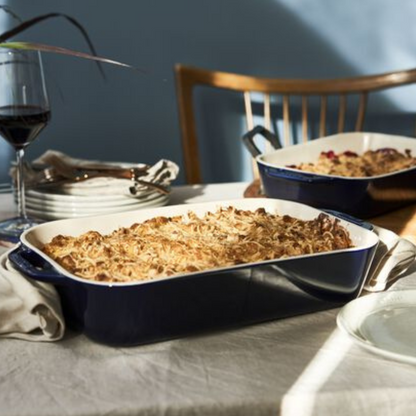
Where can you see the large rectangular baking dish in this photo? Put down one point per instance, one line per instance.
(361, 197)
(141, 312)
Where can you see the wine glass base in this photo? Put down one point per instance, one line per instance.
(11, 229)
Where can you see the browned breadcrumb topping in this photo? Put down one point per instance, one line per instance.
(167, 246)
(350, 164)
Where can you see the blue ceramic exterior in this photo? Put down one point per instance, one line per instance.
(165, 309)
(363, 198)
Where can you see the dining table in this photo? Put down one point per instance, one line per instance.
(298, 364)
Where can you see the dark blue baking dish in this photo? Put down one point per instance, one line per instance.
(363, 197)
(144, 312)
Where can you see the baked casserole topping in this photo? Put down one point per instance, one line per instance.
(371, 163)
(166, 246)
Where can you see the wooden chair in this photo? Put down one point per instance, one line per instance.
(188, 78)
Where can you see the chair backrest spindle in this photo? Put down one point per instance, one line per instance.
(341, 112)
(286, 120)
(305, 118)
(249, 110)
(267, 112)
(250, 125)
(267, 119)
(322, 121)
(361, 111)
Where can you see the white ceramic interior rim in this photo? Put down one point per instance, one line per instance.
(353, 314)
(356, 142)
(35, 237)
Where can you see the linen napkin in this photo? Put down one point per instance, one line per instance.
(29, 310)
(393, 257)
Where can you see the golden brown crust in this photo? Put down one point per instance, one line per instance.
(166, 246)
(350, 164)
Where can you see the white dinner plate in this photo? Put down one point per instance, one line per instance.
(50, 196)
(45, 204)
(57, 214)
(83, 202)
(383, 323)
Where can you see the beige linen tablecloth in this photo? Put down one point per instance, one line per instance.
(295, 366)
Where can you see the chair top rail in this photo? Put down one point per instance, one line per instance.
(238, 82)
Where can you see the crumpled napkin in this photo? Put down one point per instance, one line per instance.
(29, 310)
(393, 257)
(164, 172)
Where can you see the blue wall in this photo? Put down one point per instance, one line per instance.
(133, 117)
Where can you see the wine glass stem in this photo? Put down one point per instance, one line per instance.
(20, 189)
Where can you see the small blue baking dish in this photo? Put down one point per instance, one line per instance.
(142, 312)
(362, 197)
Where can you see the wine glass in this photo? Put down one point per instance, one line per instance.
(24, 112)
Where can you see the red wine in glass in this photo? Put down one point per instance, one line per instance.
(20, 125)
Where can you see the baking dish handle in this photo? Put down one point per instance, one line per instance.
(248, 140)
(31, 264)
(350, 218)
(296, 176)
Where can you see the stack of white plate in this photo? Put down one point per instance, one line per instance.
(92, 197)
